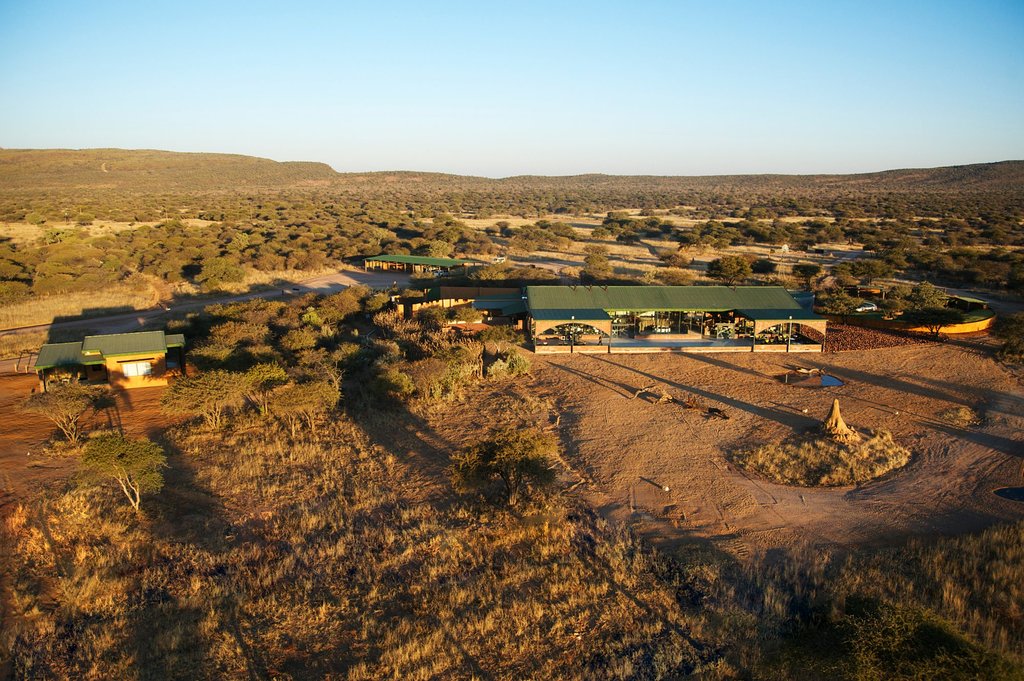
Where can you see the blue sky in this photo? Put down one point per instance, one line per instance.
(496, 89)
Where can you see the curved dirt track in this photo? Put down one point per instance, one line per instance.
(629, 449)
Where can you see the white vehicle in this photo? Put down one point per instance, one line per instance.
(500, 259)
(867, 307)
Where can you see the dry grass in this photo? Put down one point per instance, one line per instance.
(18, 344)
(23, 233)
(961, 417)
(45, 309)
(22, 344)
(270, 558)
(947, 608)
(822, 462)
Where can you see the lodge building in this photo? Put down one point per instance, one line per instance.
(124, 360)
(617, 319)
(417, 264)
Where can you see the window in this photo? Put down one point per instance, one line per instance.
(143, 368)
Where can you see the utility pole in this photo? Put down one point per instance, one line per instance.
(789, 336)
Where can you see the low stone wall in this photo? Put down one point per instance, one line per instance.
(897, 325)
(640, 350)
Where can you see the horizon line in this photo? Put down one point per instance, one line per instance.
(514, 176)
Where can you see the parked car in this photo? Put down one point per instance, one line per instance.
(867, 307)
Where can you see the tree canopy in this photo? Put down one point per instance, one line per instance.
(517, 458)
(732, 269)
(135, 464)
(64, 405)
(209, 395)
(1010, 330)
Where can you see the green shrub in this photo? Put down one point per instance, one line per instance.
(518, 364)
(870, 639)
(498, 369)
(393, 385)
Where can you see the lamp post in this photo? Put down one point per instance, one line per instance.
(789, 336)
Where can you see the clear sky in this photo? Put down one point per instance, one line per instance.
(504, 88)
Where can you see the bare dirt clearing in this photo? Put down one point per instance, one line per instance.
(25, 466)
(630, 450)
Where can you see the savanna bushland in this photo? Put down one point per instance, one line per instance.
(145, 223)
(302, 519)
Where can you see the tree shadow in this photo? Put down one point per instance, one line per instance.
(616, 387)
(169, 637)
(794, 421)
(890, 382)
(934, 389)
(714, 361)
(412, 440)
(997, 443)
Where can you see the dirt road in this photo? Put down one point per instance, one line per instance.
(132, 321)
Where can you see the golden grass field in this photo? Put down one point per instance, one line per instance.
(24, 232)
(45, 309)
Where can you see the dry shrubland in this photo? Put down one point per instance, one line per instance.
(961, 417)
(950, 608)
(270, 557)
(334, 546)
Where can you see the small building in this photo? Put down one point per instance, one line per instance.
(967, 303)
(417, 264)
(670, 318)
(452, 296)
(123, 360)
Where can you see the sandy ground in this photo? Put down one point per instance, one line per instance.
(622, 452)
(26, 466)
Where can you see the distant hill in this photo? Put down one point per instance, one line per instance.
(165, 171)
(151, 171)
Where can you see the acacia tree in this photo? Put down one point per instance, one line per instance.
(326, 365)
(64, 405)
(841, 304)
(925, 296)
(260, 380)
(933, 318)
(208, 395)
(807, 271)
(732, 269)
(136, 465)
(927, 307)
(596, 265)
(1011, 331)
(303, 402)
(518, 459)
(338, 307)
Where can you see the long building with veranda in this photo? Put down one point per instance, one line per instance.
(668, 318)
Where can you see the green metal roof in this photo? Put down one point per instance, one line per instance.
(113, 344)
(421, 260)
(969, 299)
(508, 304)
(569, 314)
(776, 315)
(691, 298)
(62, 354)
(94, 349)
